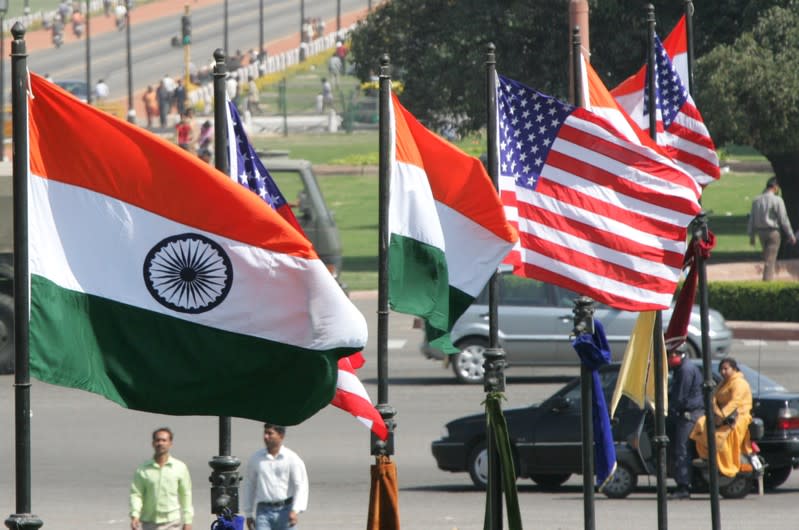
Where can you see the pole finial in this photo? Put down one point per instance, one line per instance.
(650, 13)
(385, 65)
(18, 31)
(219, 55)
(491, 57)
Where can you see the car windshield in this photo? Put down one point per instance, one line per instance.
(76, 88)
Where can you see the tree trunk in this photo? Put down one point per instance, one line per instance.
(786, 169)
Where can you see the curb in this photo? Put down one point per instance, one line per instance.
(746, 329)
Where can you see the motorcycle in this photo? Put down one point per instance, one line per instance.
(57, 35)
(77, 29)
(635, 456)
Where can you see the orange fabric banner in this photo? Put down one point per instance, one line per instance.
(384, 496)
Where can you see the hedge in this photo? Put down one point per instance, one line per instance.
(755, 300)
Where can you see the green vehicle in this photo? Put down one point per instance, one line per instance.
(298, 184)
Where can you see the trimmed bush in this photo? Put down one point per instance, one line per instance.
(756, 300)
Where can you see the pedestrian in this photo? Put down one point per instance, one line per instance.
(206, 136)
(275, 488)
(164, 103)
(334, 68)
(184, 131)
(150, 100)
(766, 220)
(160, 494)
(327, 95)
(180, 97)
(685, 407)
(253, 97)
(101, 90)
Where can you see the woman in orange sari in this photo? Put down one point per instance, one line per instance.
(732, 396)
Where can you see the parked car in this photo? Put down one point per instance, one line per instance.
(546, 439)
(535, 321)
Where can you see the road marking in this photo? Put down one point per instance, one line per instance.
(754, 342)
(396, 344)
(793, 343)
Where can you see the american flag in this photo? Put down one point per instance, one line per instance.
(248, 170)
(681, 132)
(596, 213)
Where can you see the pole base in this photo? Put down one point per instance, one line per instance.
(23, 521)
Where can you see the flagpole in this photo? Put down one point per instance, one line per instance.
(379, 447)
(700, 233)
(224, 477)
(23, 519)
(661, 441)
(689, 34)
(583, 323)
(494, 355)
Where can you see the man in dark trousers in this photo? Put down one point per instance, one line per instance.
(685, 407)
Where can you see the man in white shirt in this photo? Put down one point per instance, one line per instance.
(275, 489)
(101, 89)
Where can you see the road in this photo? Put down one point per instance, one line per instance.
(85, 449)
(152, 52)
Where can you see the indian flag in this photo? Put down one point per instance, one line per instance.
(447, 228)
(161, 284)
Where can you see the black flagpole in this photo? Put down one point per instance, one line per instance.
(224, 477)
(387, 412)
(583, 323)
(700, 233)
(494, 354)
(661, 440)
(23, 519)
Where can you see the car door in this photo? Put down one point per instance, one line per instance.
(532, 333)
(557, 436)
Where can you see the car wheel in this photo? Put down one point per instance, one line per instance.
(550, 482)
(478, 465)
(6, 334)
(691, 351)
(737, 488)
(468, 362)
(775, 476)
(621, 484)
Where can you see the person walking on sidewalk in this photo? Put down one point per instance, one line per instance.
(767, 218)
(160, 494)
(275, 489)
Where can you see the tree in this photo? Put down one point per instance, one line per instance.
(750, 95)
(438, 50)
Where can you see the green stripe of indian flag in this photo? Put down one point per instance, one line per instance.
(274, 296)
(149, 361)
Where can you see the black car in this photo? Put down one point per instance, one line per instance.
(546, 437)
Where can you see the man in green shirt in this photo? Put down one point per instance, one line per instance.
(160, 494)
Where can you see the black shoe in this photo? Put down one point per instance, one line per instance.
(680, 493)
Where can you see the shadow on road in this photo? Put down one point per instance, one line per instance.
(450, 381)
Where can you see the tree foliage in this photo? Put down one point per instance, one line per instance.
(750, 94)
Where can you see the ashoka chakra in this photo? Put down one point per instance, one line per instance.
(188, 273)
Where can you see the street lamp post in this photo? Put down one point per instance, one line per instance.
(3, 9)
(227, 48)
(131, 110)
(260, 28)
(88, 56)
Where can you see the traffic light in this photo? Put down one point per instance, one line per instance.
(185, 25)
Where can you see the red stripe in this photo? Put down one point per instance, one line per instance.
(702, 166)
(355, 404)
(588, 170)
(633, 219)
(597, 237)
(77, 144)
(691, 135)
(612, 299)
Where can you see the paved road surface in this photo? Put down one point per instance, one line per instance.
(85, 449)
